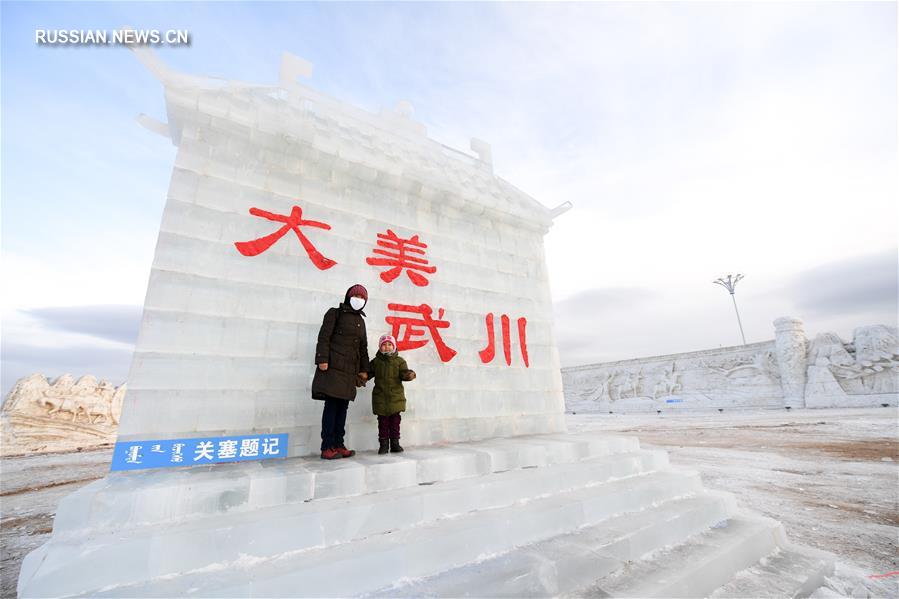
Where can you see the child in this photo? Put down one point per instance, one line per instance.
(388, 398)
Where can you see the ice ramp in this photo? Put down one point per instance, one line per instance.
(546, 515)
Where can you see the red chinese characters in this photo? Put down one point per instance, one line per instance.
(294, 221)
(401, 254)
(488, 353)
(414, 327)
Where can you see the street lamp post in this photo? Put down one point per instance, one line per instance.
(730, 284)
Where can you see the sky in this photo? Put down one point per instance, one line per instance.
(694, 140)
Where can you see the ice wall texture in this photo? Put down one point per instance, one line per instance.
(227, 341)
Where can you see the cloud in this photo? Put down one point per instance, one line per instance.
(112, 271)
(603, 325)
(20, 359)
(96, 339)
(113, 322)
(590, 325)
(855, 285)
(604, 299)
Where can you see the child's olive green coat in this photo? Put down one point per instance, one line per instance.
(389, 372)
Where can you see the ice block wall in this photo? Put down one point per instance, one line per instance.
(227, 340)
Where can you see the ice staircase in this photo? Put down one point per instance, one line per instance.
(549, 515)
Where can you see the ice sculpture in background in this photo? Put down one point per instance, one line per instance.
(40, 416)
(788, 371)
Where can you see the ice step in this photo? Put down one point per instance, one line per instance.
(144, 499)
(787, 572)
(463, 542)
(167, 550)
(570, 561)
(380, 559)
(696, 567)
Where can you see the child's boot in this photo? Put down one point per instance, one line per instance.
(384, 447)
(395, 446)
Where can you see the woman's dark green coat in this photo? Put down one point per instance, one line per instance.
(388, 396)
(343, 344)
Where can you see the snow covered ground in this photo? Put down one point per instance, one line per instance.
(829, 475)
(30, 489)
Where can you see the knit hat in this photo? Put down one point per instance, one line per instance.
(357, 290)
(387, 338)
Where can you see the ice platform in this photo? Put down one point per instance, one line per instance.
(548, 515)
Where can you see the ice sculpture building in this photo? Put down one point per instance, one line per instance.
(227, 341)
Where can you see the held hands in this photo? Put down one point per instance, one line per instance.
(361, 378)
(323, 366)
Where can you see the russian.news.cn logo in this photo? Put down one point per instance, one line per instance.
(117, 37)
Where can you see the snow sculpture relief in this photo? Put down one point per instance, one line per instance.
(603, 390)
(875, 343)
(66, 414)
(858, 373)
(668, 385)
(761, 364)
(825, 352)
(787, 371)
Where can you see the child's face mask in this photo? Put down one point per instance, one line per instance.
(387, 347)
(356, 303)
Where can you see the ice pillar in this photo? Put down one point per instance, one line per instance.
(791, 344)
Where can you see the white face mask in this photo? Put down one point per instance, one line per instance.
(357, 303)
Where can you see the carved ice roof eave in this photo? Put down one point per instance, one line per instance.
(189, 96)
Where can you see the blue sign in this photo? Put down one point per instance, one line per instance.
(674, 401)
(137, 455)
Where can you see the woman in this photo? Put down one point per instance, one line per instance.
(341, 357)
